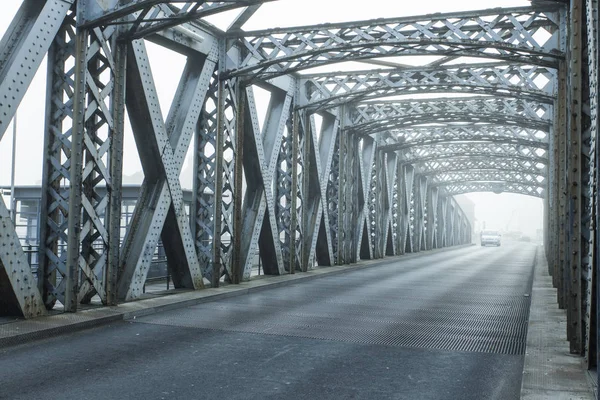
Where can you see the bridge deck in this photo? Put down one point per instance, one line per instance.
(443, 325)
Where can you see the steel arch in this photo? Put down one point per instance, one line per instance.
(506, 34)
(529, 82)
(458, 164)
(457, 188)
(465, 133)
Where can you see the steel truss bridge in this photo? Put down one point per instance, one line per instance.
(349, 165)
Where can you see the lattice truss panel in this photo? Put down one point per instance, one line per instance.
(145, 17)
(509, 34)
(528, 82)
(590, 296)
(343, 166)
(373, 117)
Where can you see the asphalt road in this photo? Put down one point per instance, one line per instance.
(450, 325)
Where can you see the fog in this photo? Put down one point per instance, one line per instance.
(503, 211)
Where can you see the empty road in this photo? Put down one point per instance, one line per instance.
(446, 325)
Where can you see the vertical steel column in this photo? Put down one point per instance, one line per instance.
(343, 206)
(432, 220)
(71, 278)
(284, 193)
(560, 280)
(237, 265)
(591, 334)
(355, 198)
(348, 193)
(304, 258)
(574, 312)
(216, 260)
(391, 197)
(333, 189)
(420, 198)
(398, 207)
(406, 183)
(116, 172)
(442, 221)
(56, 163)
(378, 221)
(367, 155)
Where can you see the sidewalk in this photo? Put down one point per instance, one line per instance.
(21, 331)
(550, 371)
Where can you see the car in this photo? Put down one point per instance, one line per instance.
(490, 237)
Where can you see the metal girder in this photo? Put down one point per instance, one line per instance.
(349, 202)
(592, 329)
(261, 149)
(23, 48)
(527, 82)
(457, 164)
(405, 177)
(320, 144)
(420, 211)
(467, 133)
(218, 159)
(377, 117)
(443, 177)
(162, 147)
(94, 162)
(18, 288)
(476, 140)
(366, 157)
(145, 17)
(452, 150)
(432, 218)
(452, 189)
(508, 34)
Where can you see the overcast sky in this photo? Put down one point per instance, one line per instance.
(497, 210)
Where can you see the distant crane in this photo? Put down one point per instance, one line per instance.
(510, 220)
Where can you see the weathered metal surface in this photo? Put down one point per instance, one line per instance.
(335, 172)
(273, 52)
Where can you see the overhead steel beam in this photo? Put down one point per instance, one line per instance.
(466, 133)
(22, 49)
(526, 82)
(481, 163)
(145, 17)
(475, 140)
(451, 150)
(452, 189)
(377, 116)
(506, 34)
(488, 176)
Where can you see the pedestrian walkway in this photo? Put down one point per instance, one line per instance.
(550, 371)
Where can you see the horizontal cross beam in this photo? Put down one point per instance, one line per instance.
(508, 34)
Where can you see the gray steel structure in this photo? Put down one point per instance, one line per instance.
(346, 165)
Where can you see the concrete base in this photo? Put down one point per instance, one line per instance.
(550, 371)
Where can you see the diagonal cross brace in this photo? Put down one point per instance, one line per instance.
(23, 48)
(161, 208)
(366, 161)
(19, 294)
(260, 200)
(316, 213)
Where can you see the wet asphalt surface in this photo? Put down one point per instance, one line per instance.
(449, 325)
